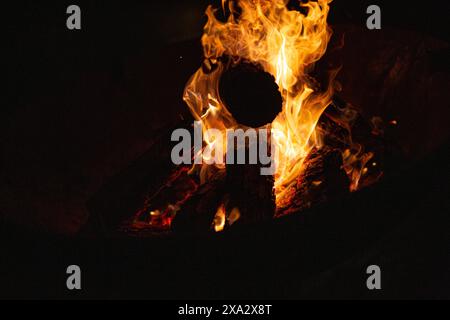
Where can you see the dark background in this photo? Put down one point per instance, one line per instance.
(79, 106)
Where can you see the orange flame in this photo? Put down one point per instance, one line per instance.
(285, 43)
(220, 219)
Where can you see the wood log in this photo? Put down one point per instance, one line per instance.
(323, 179)
(197, 214)
(250, 192)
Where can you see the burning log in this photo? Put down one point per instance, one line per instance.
(251, 94)
(323, 179)
(197, 214)
(240, 195)
(251, 193)
(254, 100)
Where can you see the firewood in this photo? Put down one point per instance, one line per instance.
(323, 179)
(197, 214)
(251, 94)
(250, 192)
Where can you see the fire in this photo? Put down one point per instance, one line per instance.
(220, 219)
(285, 43)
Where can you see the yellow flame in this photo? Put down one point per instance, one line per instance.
(355, 165)
(219, 219)
(285, 43)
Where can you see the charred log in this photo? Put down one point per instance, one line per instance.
(323, 179)
(250, 192)
(251, 94)
(197, 214)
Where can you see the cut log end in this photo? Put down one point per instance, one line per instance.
(250, 94)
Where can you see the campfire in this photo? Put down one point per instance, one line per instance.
(258, 73)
